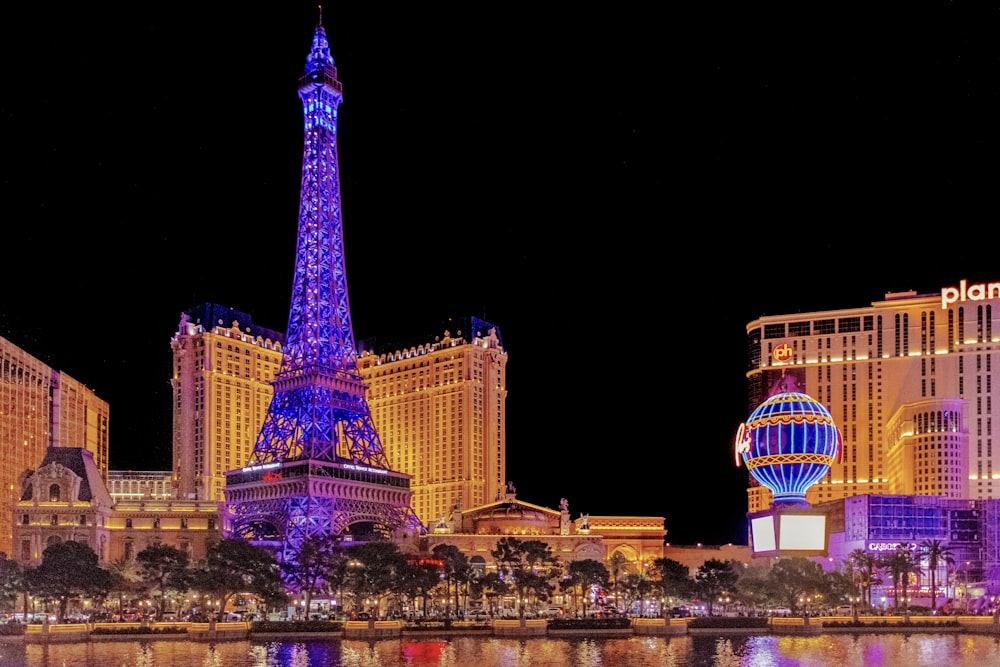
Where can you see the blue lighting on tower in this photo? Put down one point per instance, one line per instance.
(318, 467)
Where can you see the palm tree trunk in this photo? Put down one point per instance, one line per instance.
(906, 600)
(933, 592)
(856, 599)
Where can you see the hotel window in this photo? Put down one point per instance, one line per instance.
(799, 328)
(823, 327)
(774, 330)
(849, 324)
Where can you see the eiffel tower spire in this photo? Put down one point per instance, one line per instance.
(319, 410)
(318, 451)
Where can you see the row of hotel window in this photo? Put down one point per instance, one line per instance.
(54, 521)
(819, 327)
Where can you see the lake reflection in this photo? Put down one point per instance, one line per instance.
(835, 650)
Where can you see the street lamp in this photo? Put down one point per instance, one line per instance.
(724, 602)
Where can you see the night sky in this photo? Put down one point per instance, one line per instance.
(621, 191)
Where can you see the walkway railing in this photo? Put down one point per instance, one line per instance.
(37, 633)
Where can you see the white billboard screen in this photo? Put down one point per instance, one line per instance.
(762, 528)
(805, 532)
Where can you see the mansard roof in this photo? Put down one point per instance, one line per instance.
(81, 463)
(467, 328)
(211, 315)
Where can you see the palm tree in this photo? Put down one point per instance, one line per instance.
(618, 564)
(899, 564)
(854, 576)
(935, 553)
(863, 565)
(126, 578)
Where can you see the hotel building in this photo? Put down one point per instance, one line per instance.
(909, 381)
(65, 499)
(223, 365)
(878, 524)
(141, 485)
(41, 407)
(475, 531)
(438, 404)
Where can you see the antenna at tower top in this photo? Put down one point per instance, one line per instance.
(320, 14)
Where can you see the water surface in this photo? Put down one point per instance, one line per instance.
(835, 650)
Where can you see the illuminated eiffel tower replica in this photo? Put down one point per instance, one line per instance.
(318, 467)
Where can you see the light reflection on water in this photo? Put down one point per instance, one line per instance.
(833, 650)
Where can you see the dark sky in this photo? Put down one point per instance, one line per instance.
(620, 191)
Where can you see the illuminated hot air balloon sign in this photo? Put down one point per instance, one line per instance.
(788, 444)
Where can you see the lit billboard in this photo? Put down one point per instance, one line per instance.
(789, 533)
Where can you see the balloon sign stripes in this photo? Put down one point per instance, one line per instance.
(788, 444)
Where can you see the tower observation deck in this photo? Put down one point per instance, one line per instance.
(318, 467)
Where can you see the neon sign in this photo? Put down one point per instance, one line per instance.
(270, 476)
(742, 443)
(262, 466)
(351, 466)
(782, 353)
(965, 292)
(891, 546)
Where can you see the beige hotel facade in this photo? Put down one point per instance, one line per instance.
(41, 407)
(438, 404)
(909, 380)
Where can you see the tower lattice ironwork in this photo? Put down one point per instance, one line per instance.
(318, 467)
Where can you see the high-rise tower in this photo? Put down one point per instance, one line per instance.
(908, 380)
(41, 407)
(318, 467)
(439, 402)
(223, 366)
